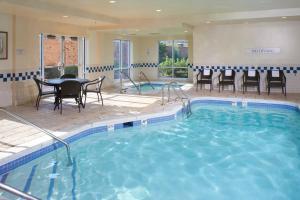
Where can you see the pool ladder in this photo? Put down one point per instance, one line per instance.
(137, 86)
(146, 78)
(186, 102)
(42, 130)
(15, 191)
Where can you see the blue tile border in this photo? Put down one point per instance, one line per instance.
(4, 169)
(99, 68)
(241, 68)
(18, 76)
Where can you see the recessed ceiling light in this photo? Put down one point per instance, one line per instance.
(65, 16)
(158, 10)
(137, 30)
(186, 31)
(112, 1)
(208, 22)
(283, 17)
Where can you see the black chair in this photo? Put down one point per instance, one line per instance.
(276, 81)
(68, 76)
(251, 78)
(97, 84)
(39, 84)
(226, 79)
(205, 78)
(70, 90)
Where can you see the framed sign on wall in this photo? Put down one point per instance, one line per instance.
(3, 45)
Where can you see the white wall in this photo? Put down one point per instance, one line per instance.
(227, 45)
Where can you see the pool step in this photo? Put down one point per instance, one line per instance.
(26, 183)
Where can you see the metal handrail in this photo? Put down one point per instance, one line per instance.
(42, 130)
(144, 75)
(183, 96)
(138, 87)
(17, 192)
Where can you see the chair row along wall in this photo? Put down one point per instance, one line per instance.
(292, 74)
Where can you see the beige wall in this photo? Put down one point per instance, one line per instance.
(24, 55)
(228, 44)
(6, 24)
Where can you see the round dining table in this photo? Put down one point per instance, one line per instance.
(56, 82)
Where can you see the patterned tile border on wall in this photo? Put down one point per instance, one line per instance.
(105, 68)
(240, 68)
(18, 76)
(136, 65)
(99, 68)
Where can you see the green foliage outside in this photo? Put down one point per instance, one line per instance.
(72, 70)
(180, 72)
(166, 63)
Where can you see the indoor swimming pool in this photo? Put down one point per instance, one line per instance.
(220, 152)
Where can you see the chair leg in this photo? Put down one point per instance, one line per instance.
(268, 90)
(210, 87)
(285, 90)
(197, 87)
(37, 103)
(201, 86)
(233, 88)
(219, 87)
(79, 104)
(282, 89)
(98, 96)
(85, 94)
(258, 89)
(101, 98)
(60, 106)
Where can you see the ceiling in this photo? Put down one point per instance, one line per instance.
(136, 15)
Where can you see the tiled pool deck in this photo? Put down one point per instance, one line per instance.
(16, 137)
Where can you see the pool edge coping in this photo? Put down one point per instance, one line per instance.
(38, 150)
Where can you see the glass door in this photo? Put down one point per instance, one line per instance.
(70, 55)
(60, 55)
(121, 58)
(52, 57)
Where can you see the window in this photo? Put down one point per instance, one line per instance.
(121, 58)
(173, 58)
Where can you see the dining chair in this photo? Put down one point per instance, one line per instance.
(39, 83)
(70, 90)
(275, 79)
(227, 77)
(251, 78)
(94, 86)
(205, 77)
(68, 76)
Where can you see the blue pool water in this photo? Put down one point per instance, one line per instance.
(146, 87)
(220, 152)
